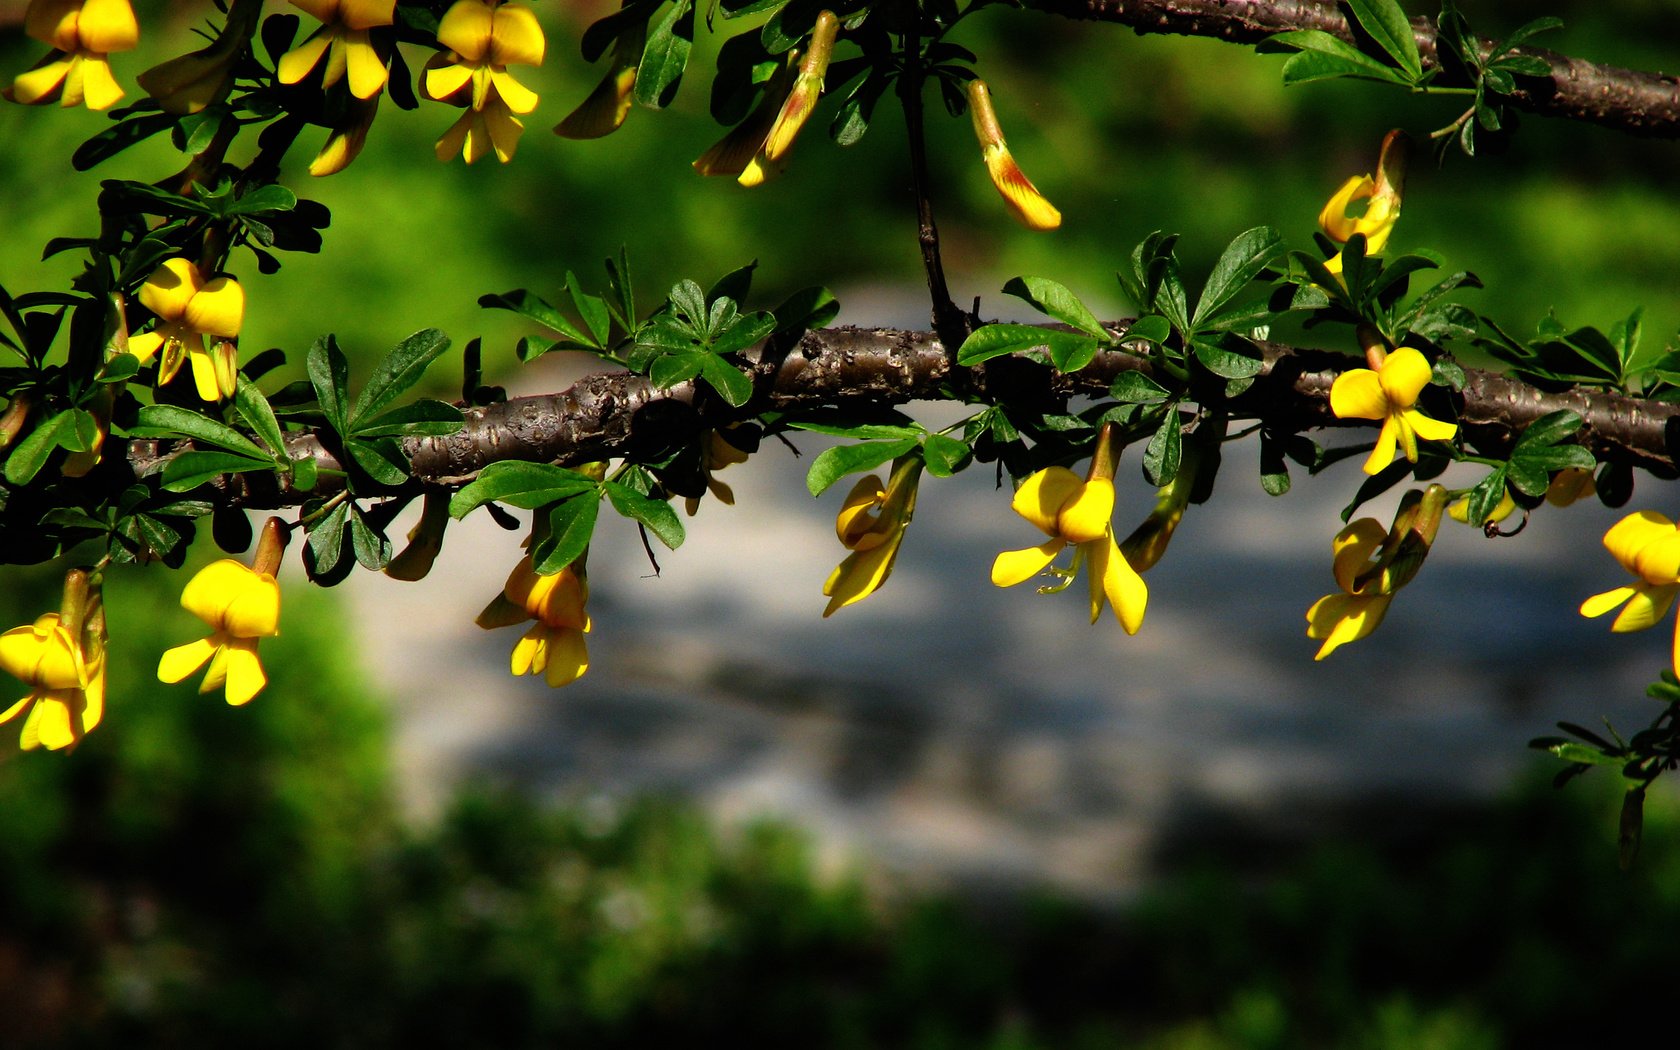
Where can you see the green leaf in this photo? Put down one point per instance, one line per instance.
(944, 455)
(191, 469)
(743, 332)
(1054, 299)
(1224, 363)
(570, 525)
(1549, 429)
(1484, 498)
(1161, 457)
(1388, 26)
(835, 463)
(592, 308)
(424, 417)
(305, 472)
(1168, 286)
(656, 514)
(371, 547)
(326, 540)
(1070, 355)
(171, 420)
(735, 387)
(1274, 468)
(534, 308)
(30, 454)
(859, 431)
(995, 340)
(519, 484)
(805, 310)
(400, 370)
(329, 374)
(1570, 751)
(270, 197)
(1135, 388)
(1530, 29)
(1323, 56)
(1243, 259)
(689, 301)
(118, 369)
(255, 410)
(664, 58)
(382, 458)
(619, 283)
(1151, 327)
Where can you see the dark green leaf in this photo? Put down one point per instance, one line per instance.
(806, 309)
(255, 410)
(171, 420)
(329, 374)
(382, 458)
(995, 340)
(835, 463)
(270, 197)
(570, 524)
(536, 309)
(424, 417)
(1054, 299)
(1388, 26)
(326, 540)
(727, 380)
(372, 548)
(1137, 388)
(1243, 259)
(944, 455)
(656, 514)
(592, 308)
(665, 57)
(30, 454)
(745, 331)
(191, 469)
(1224, 363)
(859, 431)
(519, 484)
(1549, 429)
(400, 370)
(1161, 457)
(690, 302)
(1151, 327)
(671, 369)
(305, 473)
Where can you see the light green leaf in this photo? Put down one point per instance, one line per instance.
(1243, 259)
(570, 524)
(519, 484)
(656, 514)
(400, 370)
(172, 420)
(1054, 299)
(1386, 21)
(835, 463)
(191, 469)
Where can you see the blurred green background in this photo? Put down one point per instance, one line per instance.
(195, 875)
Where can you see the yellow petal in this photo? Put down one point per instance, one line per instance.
(1358, 394)
(181, 661)
(603, 112)
(1644, 608)
(234, 598)
(530, 653)
(451, 143)
(1404, 375)
(41, 654)
(1333, 219)
(1088, 515)
(48, 724)
(857, 515)
(1429, 429)
(568, 658)
(345, 143)
(1338, 619)
(1353, 548)
(442, 79)
(515, 96)
(297, 63)
(465, 29)
(106, 26)
(204, 372)
(1042, 496)
(1570, 484)
(54, 22)
(1013, 567)
(1658, 562)
(861, 574)
(1026, 203)
(1599, 604)
(170, 288)
(1633, 533)
(245, 677)
(217, 309)
(516, 37)
(366, 69)
(503, 130)
(13, 711)
(1382, 453)
(1114, 579)
(40, 85)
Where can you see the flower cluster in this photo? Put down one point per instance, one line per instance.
(61, 658)
(190, 310)
(483, 38)
(241, 605)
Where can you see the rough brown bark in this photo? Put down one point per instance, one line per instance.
(1623, 99)
(608, 415)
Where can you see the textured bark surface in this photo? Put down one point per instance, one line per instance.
(1626, 100)
(611, 415)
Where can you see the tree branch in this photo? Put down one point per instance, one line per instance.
(1621, 99)
(614, 414)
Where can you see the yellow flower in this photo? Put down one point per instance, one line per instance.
(871, 525)
(1370, 565)
(61, 657)
(554, 645)
(1569, 485)
(343, 41)
(483, 40)
(731, 154)
(1648, 546)
(603, 112)
(344, 142)
(194, 81)
(81, 33)
(797, 107)
(1025, 202)
(1337, 619)
(1382, 210)
(1388, 394)
(189, 309)
(1069, 510)
(242, 605)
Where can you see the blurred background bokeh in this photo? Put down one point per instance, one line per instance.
(950, 816)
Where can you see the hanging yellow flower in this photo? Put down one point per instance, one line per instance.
(555, 645)
(871, 525)
(343, 41)
(1647, 545)
(189, 311)
(1382, 208)
(61, 658)
(1029, 206)
(81, 33)
(483, 39)
(241, 604)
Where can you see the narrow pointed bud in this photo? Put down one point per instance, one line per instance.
(603, 112)
(1026, 203)
(1391, 168)
(1416, 522)
(1148, 542)
(731, 154)
(1372, 342)
(11, 423)
(75, 601)
(345, 142)
(800, 103)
